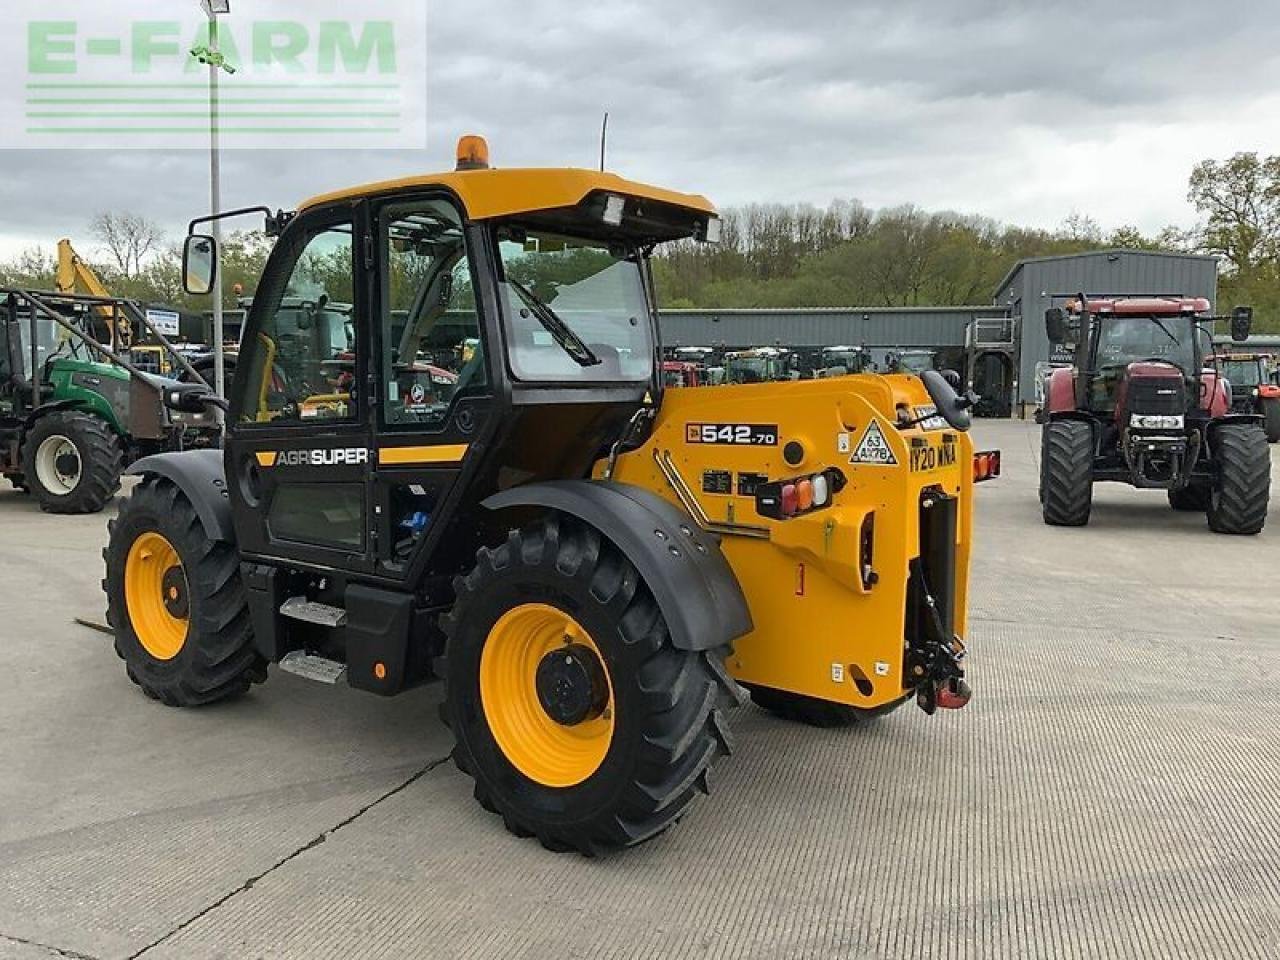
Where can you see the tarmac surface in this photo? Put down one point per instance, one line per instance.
(1113, 790)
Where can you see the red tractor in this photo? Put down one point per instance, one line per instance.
(1139, 407)
(679, 373)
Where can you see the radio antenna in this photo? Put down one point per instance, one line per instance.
(604, 138)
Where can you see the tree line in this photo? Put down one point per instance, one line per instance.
(800, 255)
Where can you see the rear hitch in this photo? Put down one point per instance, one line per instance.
(935, 661)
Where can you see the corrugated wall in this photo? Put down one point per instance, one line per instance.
(908, 327)
(1027, 293)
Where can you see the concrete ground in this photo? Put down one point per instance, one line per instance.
(1113, 789)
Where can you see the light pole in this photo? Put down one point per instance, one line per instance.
(216, 61)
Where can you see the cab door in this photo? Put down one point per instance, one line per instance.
(434, 394)
(298, 443)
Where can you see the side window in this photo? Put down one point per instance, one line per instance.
(431, 343)
(303, 359)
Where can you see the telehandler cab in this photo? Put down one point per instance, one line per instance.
(591, 565)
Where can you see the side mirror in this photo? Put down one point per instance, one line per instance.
(199, 265)
(192, 398)
(950, 405)
(1241, 323)
(1055, 325)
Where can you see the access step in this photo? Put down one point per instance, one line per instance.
(310, 667)
(300, 608)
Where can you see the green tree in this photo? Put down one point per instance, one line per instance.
(1240, 198)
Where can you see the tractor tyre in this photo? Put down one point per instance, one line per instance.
(175, 602)
(1271, 418)
(579, 721)
(814, 712)
(1238, 500)
(1191, 499)
(72, 462)
(1067, 473)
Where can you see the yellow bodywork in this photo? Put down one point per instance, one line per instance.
(818, 630)
(501, 193)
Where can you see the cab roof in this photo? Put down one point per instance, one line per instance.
(1144, 306)
(486, 194)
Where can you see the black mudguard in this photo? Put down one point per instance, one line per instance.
(200, 475)
(682, 564)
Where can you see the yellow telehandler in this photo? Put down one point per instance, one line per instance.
(473, 474)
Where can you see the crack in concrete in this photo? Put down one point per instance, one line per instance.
(309, 845)
(50, 948)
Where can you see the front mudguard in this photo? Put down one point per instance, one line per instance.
(690, 579)
(200, 475)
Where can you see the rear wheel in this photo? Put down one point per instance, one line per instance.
(175, 602)
(579, 721)
(814, 712)
(1238, 501)
(1192, 499)
(1271, 418)
(72, 461)
(1066, 473)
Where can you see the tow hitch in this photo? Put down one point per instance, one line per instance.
(935, 661)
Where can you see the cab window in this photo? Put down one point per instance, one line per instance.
(432, 352)
(302, 360)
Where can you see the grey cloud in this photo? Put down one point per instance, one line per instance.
(936, 102)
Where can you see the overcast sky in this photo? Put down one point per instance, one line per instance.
(1026, 112)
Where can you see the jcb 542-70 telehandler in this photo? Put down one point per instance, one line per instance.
(594, 568)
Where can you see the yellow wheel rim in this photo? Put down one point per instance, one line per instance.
(156, 595)
(549, 752)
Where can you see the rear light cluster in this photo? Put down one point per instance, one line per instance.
(986, 465)
(784, 499)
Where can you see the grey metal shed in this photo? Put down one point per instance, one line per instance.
(1027, 290)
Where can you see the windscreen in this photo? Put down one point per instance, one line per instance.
(575, 310)
(1126, 340)
(1242, 373)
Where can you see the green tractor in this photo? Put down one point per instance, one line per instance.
(75, 412)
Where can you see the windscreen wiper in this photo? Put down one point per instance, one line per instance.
(1166, 332)
(565, 338)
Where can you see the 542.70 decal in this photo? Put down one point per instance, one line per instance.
(734, 434)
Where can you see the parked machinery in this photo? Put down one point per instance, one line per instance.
(1255, 387)
(1138, 407)
(73, 411)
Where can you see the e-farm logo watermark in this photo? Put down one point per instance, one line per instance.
(321, 74)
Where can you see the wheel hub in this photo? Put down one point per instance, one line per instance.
(571, 685)
(174, 587)
(67, 464)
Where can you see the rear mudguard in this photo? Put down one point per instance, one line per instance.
(200, 475)
(682, 565)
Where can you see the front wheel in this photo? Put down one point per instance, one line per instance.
(579, 721)
(1066, 478)
(175, 602)
(72, 462)
(1238, 501)
(1190, 499)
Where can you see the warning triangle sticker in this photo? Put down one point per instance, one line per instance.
(874, 448)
